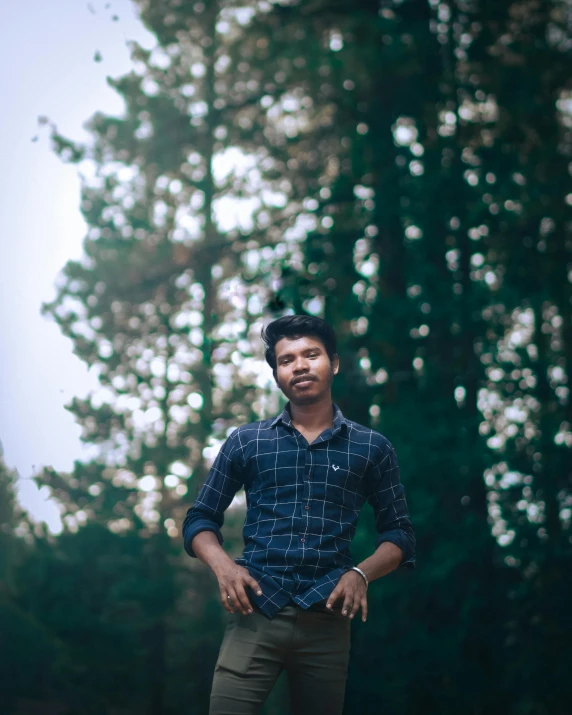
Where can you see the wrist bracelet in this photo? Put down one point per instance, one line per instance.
(361, 573)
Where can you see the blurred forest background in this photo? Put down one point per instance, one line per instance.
(401, 168)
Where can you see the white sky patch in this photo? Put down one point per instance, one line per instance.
(40, 373)
(232, 160)
(232, 212)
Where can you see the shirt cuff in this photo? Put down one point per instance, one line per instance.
(399, 538)
(195, 528)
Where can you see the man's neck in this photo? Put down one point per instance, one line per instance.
(317, 416)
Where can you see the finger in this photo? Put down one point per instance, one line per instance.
(223, 598)
(364, 609)
(348, 604)
(335, 595)
(234, 601)
(254, 586)
(226, 601)
(355, 607)
(243, 602)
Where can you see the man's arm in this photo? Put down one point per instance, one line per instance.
(223, 481)
(385, 559)
(395, 542)
(387, 498)
(201, 529)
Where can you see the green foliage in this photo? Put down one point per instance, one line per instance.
(26, 650)
(8, 518)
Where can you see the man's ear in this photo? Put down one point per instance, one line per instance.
(335, 364)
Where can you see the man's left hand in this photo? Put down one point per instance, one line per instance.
(352, 590)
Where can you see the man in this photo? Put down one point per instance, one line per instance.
(306, 473)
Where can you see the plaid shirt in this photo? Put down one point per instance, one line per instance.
(303, 502)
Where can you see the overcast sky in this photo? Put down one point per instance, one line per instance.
(47, 68)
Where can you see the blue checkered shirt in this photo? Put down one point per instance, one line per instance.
(303, 502)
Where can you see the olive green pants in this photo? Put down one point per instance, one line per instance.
(312, 646)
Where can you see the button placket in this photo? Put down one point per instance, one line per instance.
(306, 491)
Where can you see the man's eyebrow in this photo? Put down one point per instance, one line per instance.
(316, 348)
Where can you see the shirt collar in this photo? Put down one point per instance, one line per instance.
(284, 417)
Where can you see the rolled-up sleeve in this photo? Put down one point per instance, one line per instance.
(386, 495)
(223, 481)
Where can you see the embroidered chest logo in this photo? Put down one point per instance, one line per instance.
(335, 467)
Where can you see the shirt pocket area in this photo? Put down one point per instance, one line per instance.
(342, 487)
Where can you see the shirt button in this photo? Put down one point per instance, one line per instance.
(302, 539)
(306, 507)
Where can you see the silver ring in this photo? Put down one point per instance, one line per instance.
(229, 599)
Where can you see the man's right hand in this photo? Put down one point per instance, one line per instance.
(232, 581)
(232, 578)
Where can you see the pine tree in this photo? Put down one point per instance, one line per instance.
(412, 266)
(526, 165)
(158, 306)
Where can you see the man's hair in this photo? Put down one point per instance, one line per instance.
(294, 327)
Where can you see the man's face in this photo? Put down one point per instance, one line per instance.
(304, 372)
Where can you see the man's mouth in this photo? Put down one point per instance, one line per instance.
(303, 381)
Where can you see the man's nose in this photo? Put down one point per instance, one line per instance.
(300, 364)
